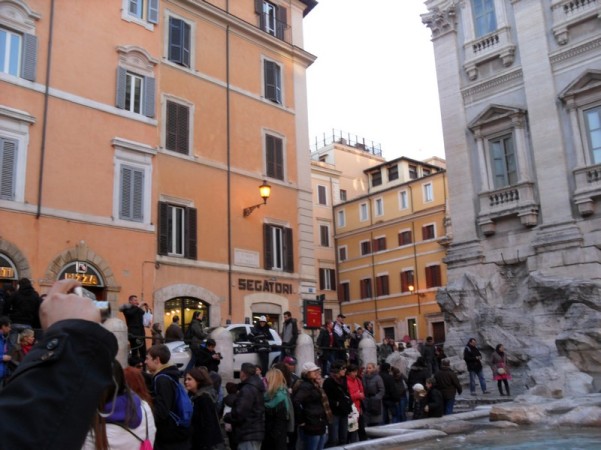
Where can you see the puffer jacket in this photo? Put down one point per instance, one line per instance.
(308, 408)
(248, 411)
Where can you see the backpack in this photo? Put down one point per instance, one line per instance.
(145, 444)
(183, 405)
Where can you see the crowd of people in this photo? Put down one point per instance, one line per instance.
(146, 405)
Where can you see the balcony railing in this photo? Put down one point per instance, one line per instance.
(567, 13)
(344, 138)
(494, 45)
(588, 187)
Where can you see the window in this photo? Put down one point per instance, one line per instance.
(274, 157)
(405, 237)
(393, 173)
(273, 81)
(485, 20)
(343, 195)
(322, 198)
(376, 178)
(179, 42)
(327, 279)
(135, 92)
(341, 218)
(593, 130)
(144, 10)
(177, 128)
(132, 194)
(365, 248)
(278, 251)
(426, 171)
(342, 253)
(8, 168)
(503, 162)
(365, 288)
(412, 171)
(379, 244)
(407, 279)
(412, 328)
(344, 292)
(363, 213)
(403, 200)
(428, 193)
(428, 232)
(18, 54)
(389, 332)
(379, 206)
(272, 18)
(177, 230)
(324, 235)
(433, 278)
(382, 285)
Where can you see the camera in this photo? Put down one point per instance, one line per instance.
(102, 305)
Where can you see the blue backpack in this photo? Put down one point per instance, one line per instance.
(183, 405)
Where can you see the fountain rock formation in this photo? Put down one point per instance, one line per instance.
(550, 326)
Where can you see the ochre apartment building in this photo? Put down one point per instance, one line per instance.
(133, 136)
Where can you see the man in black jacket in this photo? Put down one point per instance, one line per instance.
(64, 375)
(289, 335)
(207, 356)
(165, 378)
(248, 411)
(448, 384)
(473, 359)
(340, 403)
(134, 318)
(392, 394)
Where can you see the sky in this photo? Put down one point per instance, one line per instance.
(374, 76)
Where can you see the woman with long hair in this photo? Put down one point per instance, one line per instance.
(278, 411)
(206, 430)
(135, 381)
(500, 371)
(123, 419)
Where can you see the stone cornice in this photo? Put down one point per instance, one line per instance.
(489, 84)
(576, 50)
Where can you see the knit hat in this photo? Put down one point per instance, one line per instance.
(310, 367)
(418, 387)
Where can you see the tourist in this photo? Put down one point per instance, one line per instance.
(429, 353)
(157, 334)
(418, 374)
(174, 331)
(374, 394)
(500, 370)
(448, 384)
(473, 359)
(279, 415)
(134, 318)
(355, 389)
(401, 383)
(289, 335)
(354, 346)
(420, 401)
(435, 402)
(327, 344)
(341, 404)
(392, 394)
(342, 333)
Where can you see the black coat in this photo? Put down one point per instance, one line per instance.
(206, 431)
(164, 401)
(418, 374)
(134, 318)
(392, 389)
(338, 396)
(248, 411)
(472, 357)
(435, 403)
(308, 408)
(447, 383)
(53, 395)
(23, 307)
(204, 357)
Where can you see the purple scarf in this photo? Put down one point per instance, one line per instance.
(121, 409)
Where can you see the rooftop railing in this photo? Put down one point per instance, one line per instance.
(351, 140)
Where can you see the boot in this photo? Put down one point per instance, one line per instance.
(501, 390)
(507, 389)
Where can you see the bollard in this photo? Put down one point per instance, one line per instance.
(224, 344)
(304, 352)
(368, 351)
(119, 329)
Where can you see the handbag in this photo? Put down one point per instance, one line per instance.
(501, 371)
(145, 444)
(353, 419)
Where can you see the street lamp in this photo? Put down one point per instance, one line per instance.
(264, 192)
(419, 306)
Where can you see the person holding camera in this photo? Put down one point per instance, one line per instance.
(473, 359)
(206, 356)
(134, 318)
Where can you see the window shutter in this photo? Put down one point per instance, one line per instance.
(267, 247)
(138, 195)
(279, 159)
(270, 156)
(8, 167)
(185, 44)
(153, 11)
(288, 256)
(259, 12)
(269, 80)
(179, 42)
(126, 192)
(171, 126)
(191, 233)
(183, 131)
(163, 229)
(281, 24)
(340, 292)
(332, 279)
(149, 96)
(121, 85)
(429, 276)
(30, 57)
(133, 6)
(322, 279)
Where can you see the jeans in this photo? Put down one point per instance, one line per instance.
(473, 376)
(401, 409)
(249, 445)
(448, 406)
(310, 442)
(338, 431)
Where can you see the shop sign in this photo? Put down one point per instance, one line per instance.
(7, 268)
(312, 312)
(75, 271)
(245, 284)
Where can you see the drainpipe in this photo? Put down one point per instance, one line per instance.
(229, 175)
(45, 117)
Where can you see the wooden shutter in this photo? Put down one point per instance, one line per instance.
(259, 12)
(137, 195)
(121, 86)
(30, 57)
(133, 6)
(177, 128)
(191, 233)
(269, 73)
(171, 126)
(332, 273)
(153, 11)
(267, 247)
(8, 167)
(149, 96)
(279, 159)
(163, 229)
(179, 42)
(274, 157)
(126, 185)
(322, 279)
(288, 255)
(281, 16)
